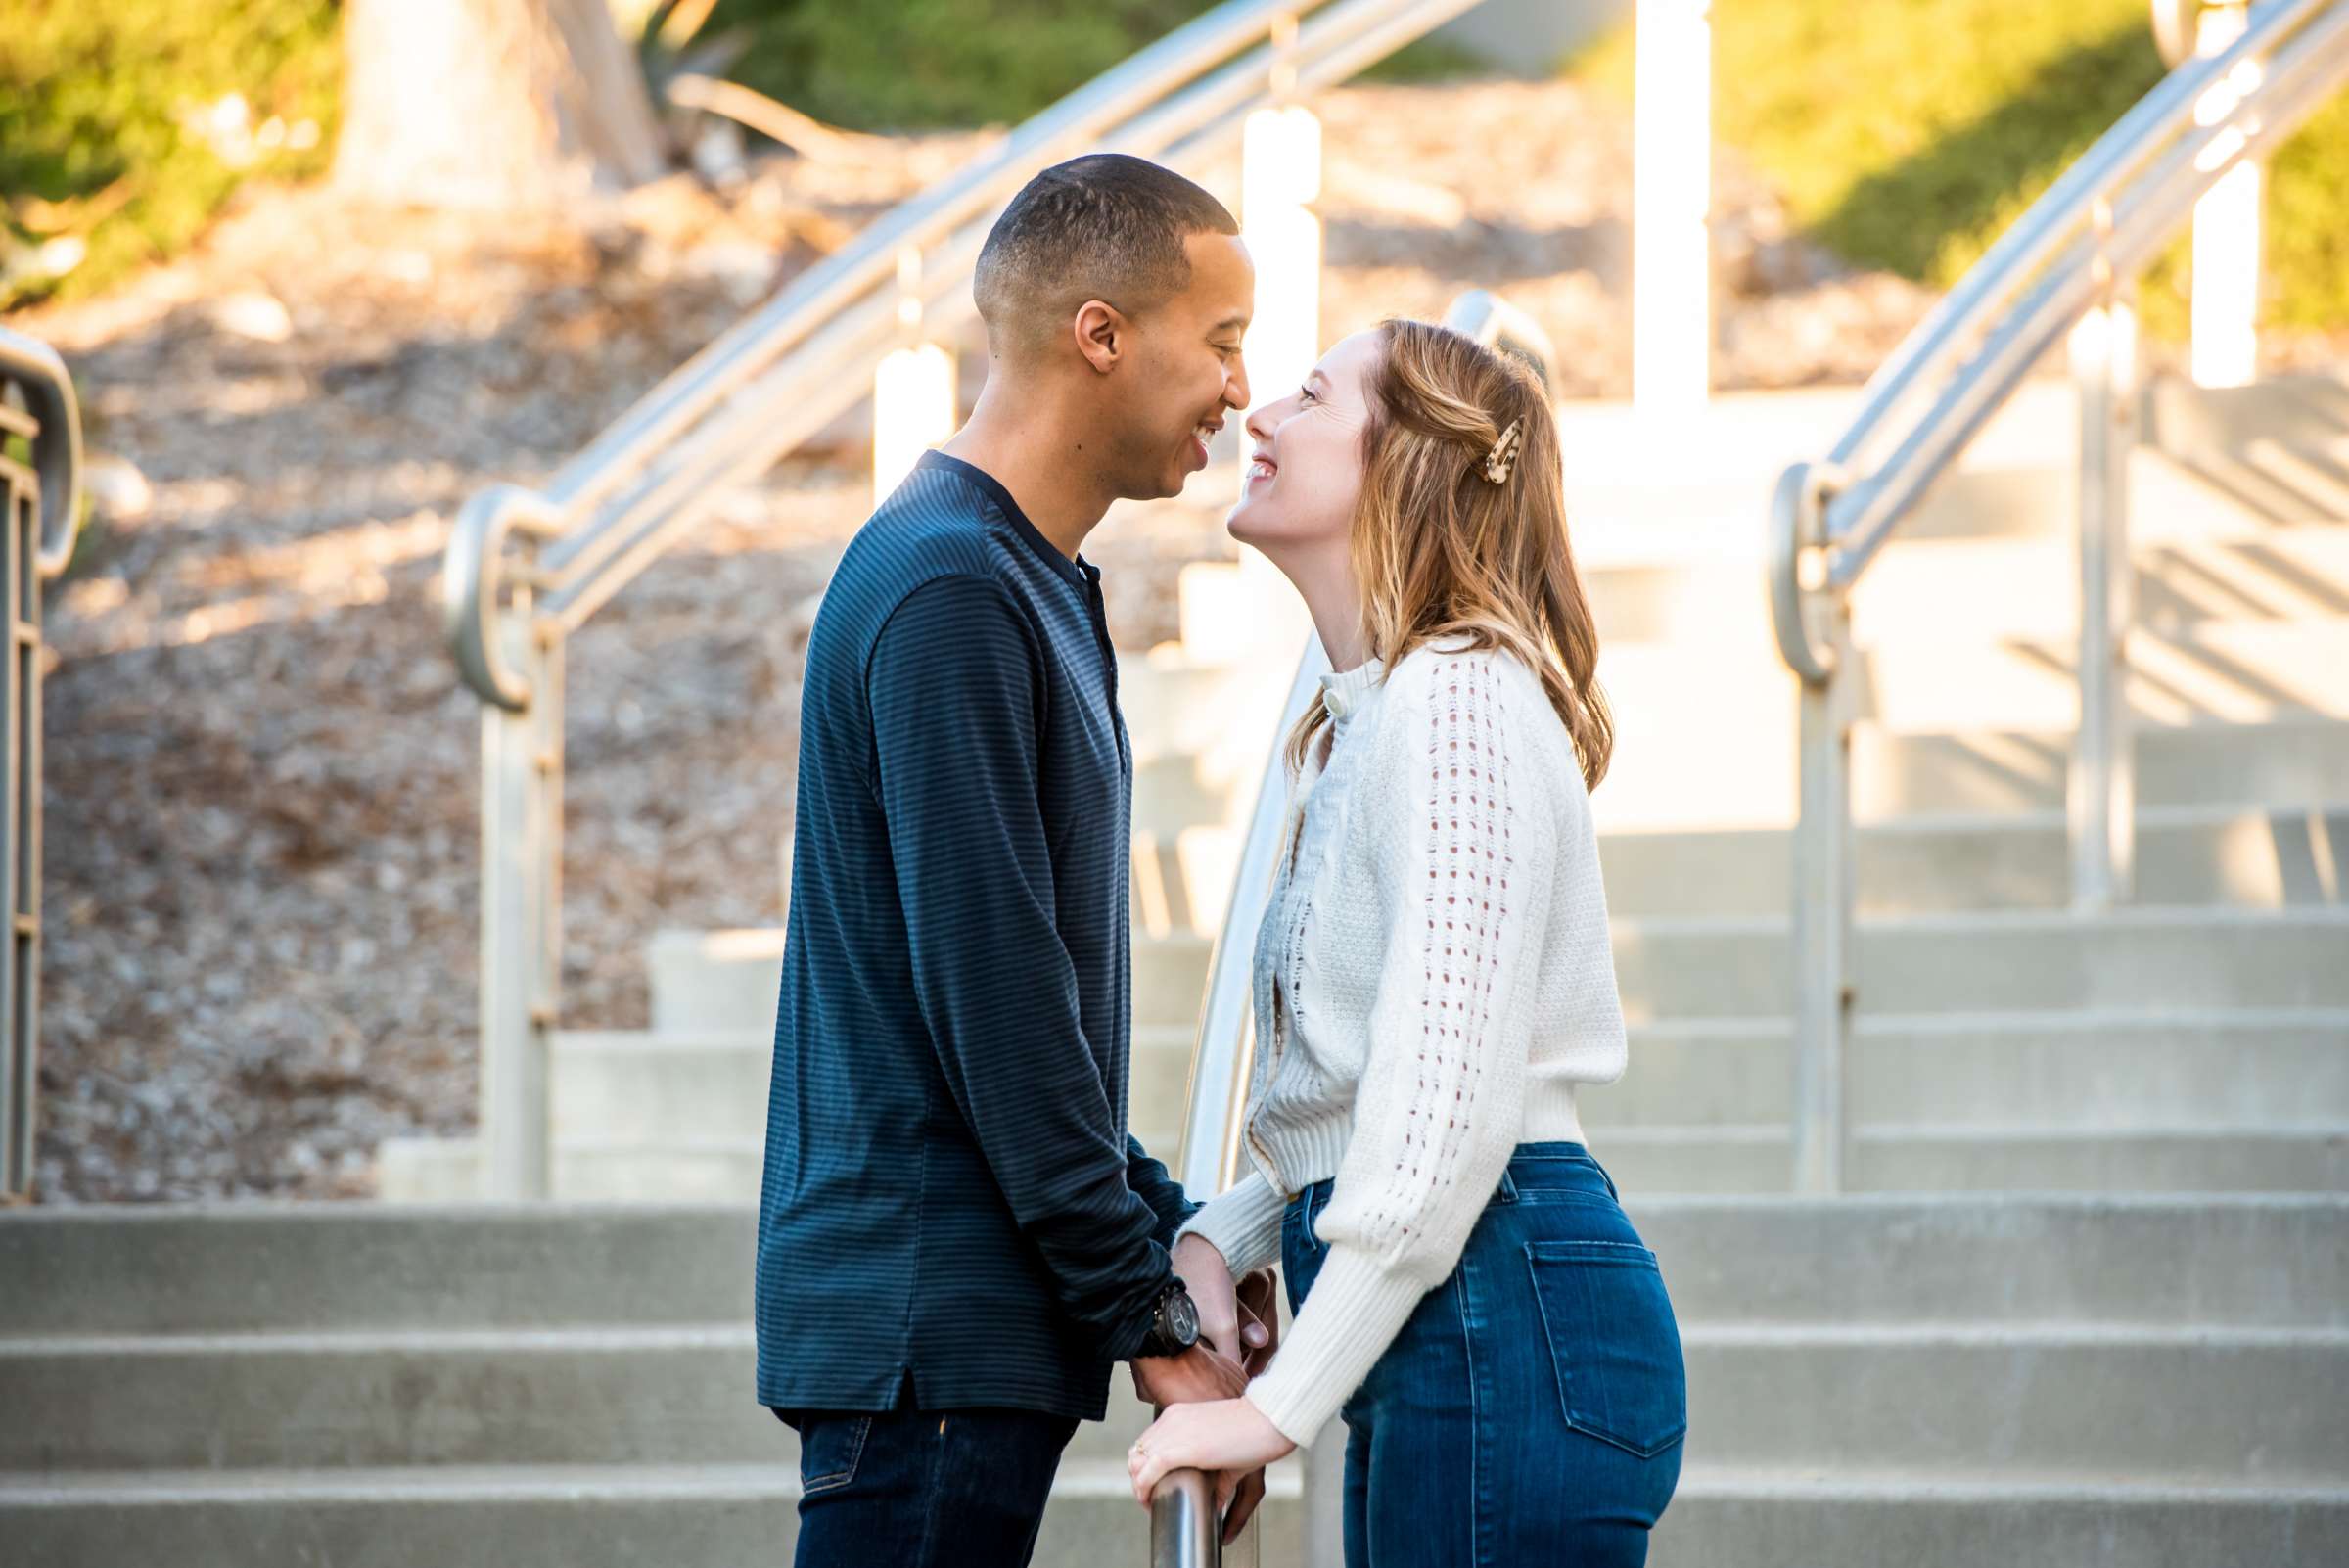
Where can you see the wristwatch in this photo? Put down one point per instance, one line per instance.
(1173, 1322)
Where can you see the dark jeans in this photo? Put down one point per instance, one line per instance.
(923, 1489)
(1532, 1409)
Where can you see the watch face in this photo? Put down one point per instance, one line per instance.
(1182, 1319)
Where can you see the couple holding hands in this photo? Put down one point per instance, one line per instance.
(957, 1236)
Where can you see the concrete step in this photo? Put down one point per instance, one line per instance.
(2198, 557)
(2110, 1068)
(2049, 1156)
(2248, 1260)
(281, 1267)
(632, 1085)
(2253, 858)
(263, 1267)
(516, 1516)
(580, 1394)
(1791, 1517)
(2280, 447)
(1952, 743)
(710, 1169)
(2004, 1397)
(2292, 763)
(1738, 966)
(705, 1516)
(2286, 763)
(1754, 435)
(2035, 1399)
(2241, 671)
(728, 982)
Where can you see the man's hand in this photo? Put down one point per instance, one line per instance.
(1199, 1373)
(1259, 1320)
(1238, 1325)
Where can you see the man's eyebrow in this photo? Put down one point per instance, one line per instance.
(1228, 323)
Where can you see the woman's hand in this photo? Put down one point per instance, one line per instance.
(1230, 1438)
(1225, 1321)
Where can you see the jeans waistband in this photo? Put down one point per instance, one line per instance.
(1546, 1165)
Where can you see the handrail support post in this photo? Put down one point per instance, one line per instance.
(2100, 795)
(1823, 906)
(522, 912)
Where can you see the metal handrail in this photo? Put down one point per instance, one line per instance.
(781, 374)
(2103, 219)
(40, 377)
(2066, 267)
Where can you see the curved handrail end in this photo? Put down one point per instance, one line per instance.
(56, 450)
(471, 577)
(1795, 509)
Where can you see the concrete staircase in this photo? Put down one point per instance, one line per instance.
(2090, 1305)
(2047, 1380)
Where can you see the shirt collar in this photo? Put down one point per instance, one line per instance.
(1079, 570)
(1344, 692)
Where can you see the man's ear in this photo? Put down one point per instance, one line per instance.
(1101, 331)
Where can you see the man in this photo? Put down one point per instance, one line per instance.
(957, 1236)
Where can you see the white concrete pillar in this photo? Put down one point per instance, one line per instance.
(1671, 194)
(1280, 175)
(2225, 308)
(913, 390)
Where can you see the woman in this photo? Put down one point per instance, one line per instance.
(1433, 982)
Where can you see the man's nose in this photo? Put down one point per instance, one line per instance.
(1236, 390)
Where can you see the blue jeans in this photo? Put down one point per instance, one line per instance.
(1532, 1409)
(924, 1488)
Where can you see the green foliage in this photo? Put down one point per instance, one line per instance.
(1907, 134)
(100, 100)
(97, 99)
(941, 64)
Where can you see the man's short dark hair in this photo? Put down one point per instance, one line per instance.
(1106, 226)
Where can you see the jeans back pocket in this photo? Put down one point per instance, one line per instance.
(830, 1446)
(1613, 1342)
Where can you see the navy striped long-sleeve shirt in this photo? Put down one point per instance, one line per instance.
(950, 1192)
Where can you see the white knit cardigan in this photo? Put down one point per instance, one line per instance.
(1433, 979)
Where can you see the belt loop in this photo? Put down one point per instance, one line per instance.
(1508, 1186)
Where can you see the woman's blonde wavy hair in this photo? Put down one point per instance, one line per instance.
(1439, 549)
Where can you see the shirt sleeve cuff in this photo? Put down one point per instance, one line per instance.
(1350, 1317)
(1243, 1225)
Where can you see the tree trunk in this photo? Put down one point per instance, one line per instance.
(498, 104)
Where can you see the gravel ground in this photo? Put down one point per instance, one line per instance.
(262, 865)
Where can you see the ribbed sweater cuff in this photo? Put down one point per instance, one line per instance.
(1243, 1225)
(1350, 1315)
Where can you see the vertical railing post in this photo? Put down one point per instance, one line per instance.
(42, 500)
(1671, 195)
(20, 954)
(522, 906)
(1823, 909)
(2100, 793)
